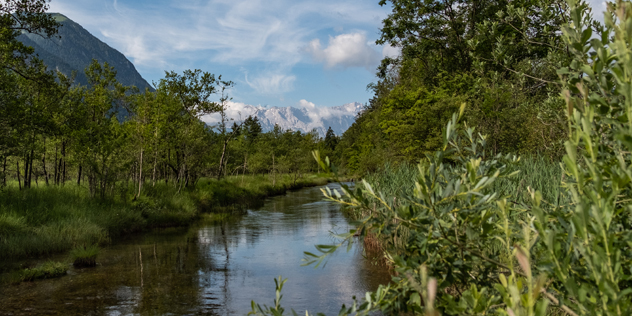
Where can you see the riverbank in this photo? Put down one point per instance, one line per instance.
(51, 219)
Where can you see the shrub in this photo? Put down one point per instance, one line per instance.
(475, 248)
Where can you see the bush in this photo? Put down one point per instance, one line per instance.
(476, 244)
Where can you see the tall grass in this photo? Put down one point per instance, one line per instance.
(539, 173)
(51, 219)
(398, 180)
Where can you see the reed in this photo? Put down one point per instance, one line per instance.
(84, 256)
(50, 219)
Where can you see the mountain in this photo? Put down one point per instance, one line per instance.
(304, 119)
(73, 50)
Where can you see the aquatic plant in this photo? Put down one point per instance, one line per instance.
(47, 270)
(84, 256)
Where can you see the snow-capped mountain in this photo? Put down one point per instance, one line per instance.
(303, 118)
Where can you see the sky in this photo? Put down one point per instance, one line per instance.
(278, 52)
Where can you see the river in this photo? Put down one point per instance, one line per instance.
(212, 269)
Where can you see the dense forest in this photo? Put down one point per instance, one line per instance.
(500, 57)
(108, 135)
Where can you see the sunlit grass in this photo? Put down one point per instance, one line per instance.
(44, 219)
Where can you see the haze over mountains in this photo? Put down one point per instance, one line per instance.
(75, 48)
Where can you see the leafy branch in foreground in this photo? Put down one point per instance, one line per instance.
(493, 255)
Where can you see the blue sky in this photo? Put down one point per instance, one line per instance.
(278, 52)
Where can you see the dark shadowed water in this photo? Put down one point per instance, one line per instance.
(213, 269)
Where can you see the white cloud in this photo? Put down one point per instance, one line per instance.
(272, 84)
(345, 50)
(391, 51)
(235, 110)
(235, 31)
(311, 115)
(306, 104)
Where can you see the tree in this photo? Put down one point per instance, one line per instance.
(193, 91)
(331, 140)
(17, 16)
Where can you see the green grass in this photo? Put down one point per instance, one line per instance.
(236, 193)
(47, 270)
(85, 256)
(51, 219)
(537, 173)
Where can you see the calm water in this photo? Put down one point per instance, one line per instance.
(214, 269)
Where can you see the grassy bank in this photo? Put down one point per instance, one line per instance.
(398, 180)
(51, 219)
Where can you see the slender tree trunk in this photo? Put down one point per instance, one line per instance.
(17, 162)
(273, 171)
(79, 175)
(63, 155)
(30, 162)
(153, 176)
(55, 169)
(44, 165)
(221, 160)
(140, 174)
(36, 175)
(26, 171)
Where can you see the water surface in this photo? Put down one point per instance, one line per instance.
(212, 269)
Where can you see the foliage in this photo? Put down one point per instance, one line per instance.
(500, 57)
(490, 251)
(85, 256)
(47, 270)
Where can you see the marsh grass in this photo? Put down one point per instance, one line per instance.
(398, 180)
(50, 219)
(84, 256)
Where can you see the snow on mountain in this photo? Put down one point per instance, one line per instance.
(304, 118)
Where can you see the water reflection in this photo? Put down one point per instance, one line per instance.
(212, 269)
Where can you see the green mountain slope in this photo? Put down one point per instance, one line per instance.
(75, 50)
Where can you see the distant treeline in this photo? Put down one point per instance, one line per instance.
(108, 136)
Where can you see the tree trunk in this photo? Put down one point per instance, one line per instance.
(221, 160)
(55, 169)
(30, 163)
(153, 176)
(140, 174)
(273, 172)
(79, 176)
(63, 155)
(17, 162)
(44, 165)
(26, 172)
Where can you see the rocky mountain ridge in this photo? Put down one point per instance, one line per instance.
(304, 119)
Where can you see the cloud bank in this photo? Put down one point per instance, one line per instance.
(345, 50)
